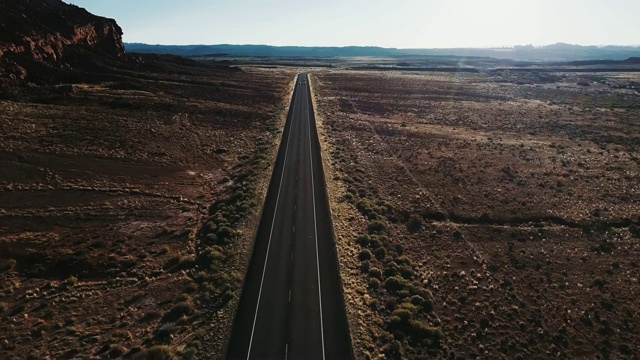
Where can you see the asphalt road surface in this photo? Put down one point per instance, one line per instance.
(292, 305)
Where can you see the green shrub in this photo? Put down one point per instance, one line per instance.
(375, 273)
(599, 283)
(419, 290)
(210, 239)
(7, 264)
(406, 271)
(392, 269)
(347, 179)
(403, 260)
(625, 349)
(364, 266)
(177, 311)
(421, 332)
(415, 223)
(156, 352)
(403, 314)
(190, 289)
(226, 297)
(390, 304)
(493, 268)
(203, 277)
(374, 284)
(395, 322)
(363, 240)
(179, 262)
(374, 242)
(363, 206)
(393, 350)
(484, 218)
(380, 253)
(417, 300)
(403, 294)
(163, 334)
(364, 255)
(183, 297)
(210, 255)
(164, 250)
(377, 227)
(151, 315)
(366, 209)
(116, 351)
(209, 228)
(395, 284)
(409, 306)
(72, 280)
(221, 220)
(225, 234)
(189, 353)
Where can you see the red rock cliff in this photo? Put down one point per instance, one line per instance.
(44, 30)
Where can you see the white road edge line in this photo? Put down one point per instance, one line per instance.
(315, 225)
(275, 211)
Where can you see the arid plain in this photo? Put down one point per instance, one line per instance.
(108, 244)
(512, 198)
(483, 207)
(490, 214)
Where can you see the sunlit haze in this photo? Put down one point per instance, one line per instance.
(401, 24)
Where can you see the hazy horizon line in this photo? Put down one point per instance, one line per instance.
(386, 47)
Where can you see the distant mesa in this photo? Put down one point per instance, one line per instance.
(550, 53)
(44, 35)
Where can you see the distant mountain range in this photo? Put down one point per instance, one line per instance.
(555, 52)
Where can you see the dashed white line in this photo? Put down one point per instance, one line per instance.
(315, 228)
(275, 211)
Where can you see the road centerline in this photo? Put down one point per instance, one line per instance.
(286, 304)
(315, 230)
(275, 212)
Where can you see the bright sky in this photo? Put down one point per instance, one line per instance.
(388, 23)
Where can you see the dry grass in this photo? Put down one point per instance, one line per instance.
(512, 199)
(103, 194)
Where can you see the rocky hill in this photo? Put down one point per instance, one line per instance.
(50, 35)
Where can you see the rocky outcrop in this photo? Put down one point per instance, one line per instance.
(51, 33)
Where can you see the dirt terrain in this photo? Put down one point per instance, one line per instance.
(129, 189)
(106, 192)
(492, 215)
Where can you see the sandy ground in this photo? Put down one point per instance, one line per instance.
(511, 199)
(104, 192)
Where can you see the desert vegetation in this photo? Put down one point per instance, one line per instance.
(490, 214)
(127, 206)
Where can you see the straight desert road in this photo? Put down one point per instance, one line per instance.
(292, 305)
